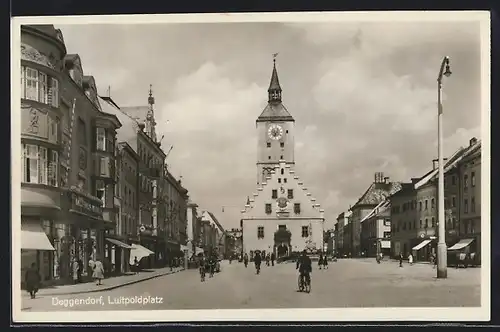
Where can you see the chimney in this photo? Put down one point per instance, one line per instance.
(386, 179)
(414, 180)
(379, 177)
(434, 164)
(472, 141)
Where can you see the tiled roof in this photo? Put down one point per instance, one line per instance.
(378, 192)
(276, 112)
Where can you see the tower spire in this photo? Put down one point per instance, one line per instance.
(274, 91)
(150, 117)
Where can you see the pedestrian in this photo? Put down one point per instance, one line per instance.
(320, 262)
(325, 262)
(136, 264)
(273, 258)
(75, 267)
(410, 259)
(80, 270)
(401, 259)
(98, 273)
(32, 280)
(245, 259)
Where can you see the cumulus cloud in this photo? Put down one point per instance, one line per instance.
(363, 95)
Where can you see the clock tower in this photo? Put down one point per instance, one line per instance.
(275, 130)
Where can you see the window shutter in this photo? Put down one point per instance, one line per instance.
(23, 163)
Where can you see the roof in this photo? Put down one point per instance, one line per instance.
(378, 210)
(275, 112)
(405, 189)
(128, 132)
(30, 53)
(274, 85)
(455, 158)
(217, 223)
(139, 113)
(378, 192)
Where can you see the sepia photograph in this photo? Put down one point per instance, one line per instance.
(251, 167)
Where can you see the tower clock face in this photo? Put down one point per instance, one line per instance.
(275, 132)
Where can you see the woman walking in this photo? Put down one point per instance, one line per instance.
(320, 262)
(410, 259)
(98, 274)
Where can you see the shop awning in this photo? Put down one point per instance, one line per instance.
(140, 252)
(34, 238)
(461, 244)
(421, 244)
(386, 244)
(118, 243)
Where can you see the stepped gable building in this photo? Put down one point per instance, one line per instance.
(281, 216)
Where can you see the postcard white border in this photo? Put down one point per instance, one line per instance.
(293, 315)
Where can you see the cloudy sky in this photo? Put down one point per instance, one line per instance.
(363, 96)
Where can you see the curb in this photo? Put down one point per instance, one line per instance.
(115, 286)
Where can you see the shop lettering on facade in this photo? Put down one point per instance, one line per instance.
(85, 205)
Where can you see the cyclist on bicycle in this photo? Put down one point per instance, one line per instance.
(304, 265)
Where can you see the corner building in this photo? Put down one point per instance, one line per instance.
(281, 216)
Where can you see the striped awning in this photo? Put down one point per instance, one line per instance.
(461, 244)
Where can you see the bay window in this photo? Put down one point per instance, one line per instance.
(40, 165)
(38, 86)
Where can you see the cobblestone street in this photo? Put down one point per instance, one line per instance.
(347, 283)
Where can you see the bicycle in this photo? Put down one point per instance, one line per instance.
(304, 283)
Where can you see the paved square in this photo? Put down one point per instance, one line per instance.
(347, 283)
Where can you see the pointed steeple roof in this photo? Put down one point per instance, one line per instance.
(275, 110)
(274, 86)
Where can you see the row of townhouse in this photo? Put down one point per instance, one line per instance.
(94, 184)
(402, 218)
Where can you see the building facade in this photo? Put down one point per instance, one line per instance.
(376, 231)
(61, 118)
(469, 229)
(194, 242)
(378, 191)
(342, 221)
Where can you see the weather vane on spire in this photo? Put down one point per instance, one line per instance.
(274, 56)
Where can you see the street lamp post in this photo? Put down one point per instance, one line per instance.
(442, 250)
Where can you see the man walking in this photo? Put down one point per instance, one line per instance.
(273, 258)
(400, 259)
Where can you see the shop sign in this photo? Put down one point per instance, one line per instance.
(85, 205)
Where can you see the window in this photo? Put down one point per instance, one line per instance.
(282, 145)
(268, 208)
(404, 226)
(284, 180)
(43, 92)
(54, 92)
(387, 235)
(296, 208)
(466, 206)
(282, 171)
(387, 222)
(279, 180)
(104, 166)
(446, 203)
(432, 204)
(420, 223)
(101, 139)
(286, 131)
(426, 223)
(433, 222)
(420, 206)
(305, 231)
(414, 224)
(260, 232)
(290, 193)
(35, 165)
(282, 227)
(31, 84)
(275, 194)
(100, 191)
(268, 144)
(466, 182)
(426, 205)
(281, 157)
(269, 157)
(453, 180)
(472, 203)
(53, 171)
(473, 179)
(453, 201)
